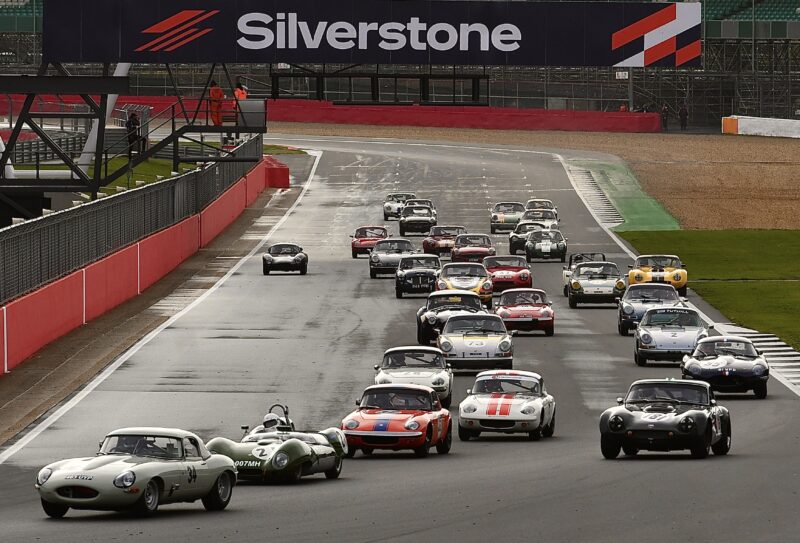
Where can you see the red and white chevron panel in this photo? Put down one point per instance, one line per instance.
(664, 34)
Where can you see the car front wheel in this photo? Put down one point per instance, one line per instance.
(443, 447)
(147, 504)
(609, 446)
(336, 470)
(423, 450)
(622, 329)
(721, 447)
(54, 510)
(220, 494)
(465, 435)
(760, 390)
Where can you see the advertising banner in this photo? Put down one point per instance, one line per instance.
(619, 34)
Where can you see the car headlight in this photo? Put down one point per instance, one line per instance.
(351, 424)
(401, 274)
(469, 408)
(491, 250)
(384, 380)
(280, 460)
(446, 346)
(561, 244)
(547, 312)
(627, 309)
(411, 425)
(125, 479)
(441, 285)
(694, 369)
(503, 313)
(616, 423)
(298, 258)
(524, 276)
(387, 206)
(758, 369)
(638, 277)
(437, 381)
(402, 219)
(505, 345)
(44, 475)
(646, 338)
(576, 285)
(494, 217)
(487, 285)
(431, 318)
(686, 424)
(676, 276)
(374, 258)
(528, 410)
(620, 285)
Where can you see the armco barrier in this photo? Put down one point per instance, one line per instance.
(111, 281)
(222, 212)
(162, 252)
(43, 316)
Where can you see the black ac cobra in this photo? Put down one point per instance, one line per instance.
(284, 257)
(416, 274)
(666, 415)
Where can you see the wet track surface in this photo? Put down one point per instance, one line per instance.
(311, 342)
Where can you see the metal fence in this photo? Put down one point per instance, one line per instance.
(33, 151)
(39, 251)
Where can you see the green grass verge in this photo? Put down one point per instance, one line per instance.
(282, 150)
(749, 275)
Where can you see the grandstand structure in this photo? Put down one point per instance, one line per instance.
(751, 66)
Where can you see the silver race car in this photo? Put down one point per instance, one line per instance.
(595, 283)
(638, 299)
(476, 342)
(385, 256)
(138, 469)
(575, 259)
(546, 217)
(394, 203)
(541, 203)
(417, 365)
(284, 257)
(442, 305)
(667, 333)
(728, 364)
(507, 402)
(416, 219)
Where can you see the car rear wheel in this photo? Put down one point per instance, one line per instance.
(147, 504)
(54, 510)
(609, 446)
(721, 447)
(630, 450)
(639, 359)
(443, 447)
(220, 494)
(336, 470)
(760, 390)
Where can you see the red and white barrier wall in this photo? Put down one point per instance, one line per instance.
(761, 126)
(32, 321)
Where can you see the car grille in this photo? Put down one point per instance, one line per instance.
(379, 440)
(77, 492)
(497, 423)
(250, 473)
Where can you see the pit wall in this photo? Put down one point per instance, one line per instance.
(760, 126)
(32, 321)
(482, 117)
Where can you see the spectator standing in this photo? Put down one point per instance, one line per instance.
(683, 114)
(623, 108)
(240, 92)
(665, 117)
(133, 129)
(215, 98)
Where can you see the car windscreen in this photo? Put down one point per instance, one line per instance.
(447, 230)
(473, 239)
(464, 270)
(527, 227)
(430, 262)
(596, 271)
(479, 325)
(284, 250)
(672, 317)
(657, 262)
(707, 349)
(553, 236)
(577, 258)
(397, 246)
(507, 385)
(371, 233)
(539, 204)
(523, 298)
(412, 359)
(168, 448)
(667, 392)
(280, 437)
(539, 214)
(399, 197)
(509, 207)
(454, 301)
(419, 202)
(650, 292)
(416, 211)
(396, 399)
(505, 261)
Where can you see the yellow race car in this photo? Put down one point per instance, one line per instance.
(659, 269)
(466, 276)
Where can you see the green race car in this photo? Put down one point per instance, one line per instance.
(276, 452)
(505, 215)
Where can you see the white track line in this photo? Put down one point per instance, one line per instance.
(106, 373)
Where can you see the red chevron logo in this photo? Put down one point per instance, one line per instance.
(177, 31)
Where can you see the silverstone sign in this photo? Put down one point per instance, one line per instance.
(374, 32)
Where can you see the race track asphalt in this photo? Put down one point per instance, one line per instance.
(311, 342)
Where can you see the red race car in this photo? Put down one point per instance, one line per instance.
(441, 239)
(472, 248)
(508, 272)
(396, 417)
(365, 238)
(526, 309)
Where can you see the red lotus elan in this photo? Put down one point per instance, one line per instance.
(365, 238)
(526, 309)
(441, 239)
(472, 248)
(508, 272)
(397, 417)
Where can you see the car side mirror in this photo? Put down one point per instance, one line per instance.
(514, 332)
(301, 249)
(713, 402)
(683, 266)
(375, 367)
(245, 428)
(619, 401)
(550, 304)
(630, 266)
(358, 401)
(563, 267)
(566, 239)
(684, 299)
(616, 301)
(497, 303)
(352, 236)
(469, 391)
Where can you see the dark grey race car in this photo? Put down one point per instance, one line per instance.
(284, 257)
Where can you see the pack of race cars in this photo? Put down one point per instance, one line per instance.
(475, 304)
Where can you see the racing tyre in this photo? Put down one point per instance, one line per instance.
(366, 451)
(511, 250)
(609, 446)
(536, 435)
(336, 470)
(447, 401)
(402, 231)
(573, 304)
(422, 339)
(549, 332)
(385, 217)
(220, 494)
(54, 510)
(550, 429)
(721, 447)
(372, 274)
(566, 291)
(563, 258)
(682, 291)
(622, 330)
(351, 452)
(443, 447)
(760, 390)
(493, 229)
(422, 451)
(398, 293)
(303, 268)
(265, 269)
(630, 450)
(640, 360)
(465, 435)
(147, 504)
(701, 447)
(355, 253)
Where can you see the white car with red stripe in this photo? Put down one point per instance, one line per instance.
(507, 402)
